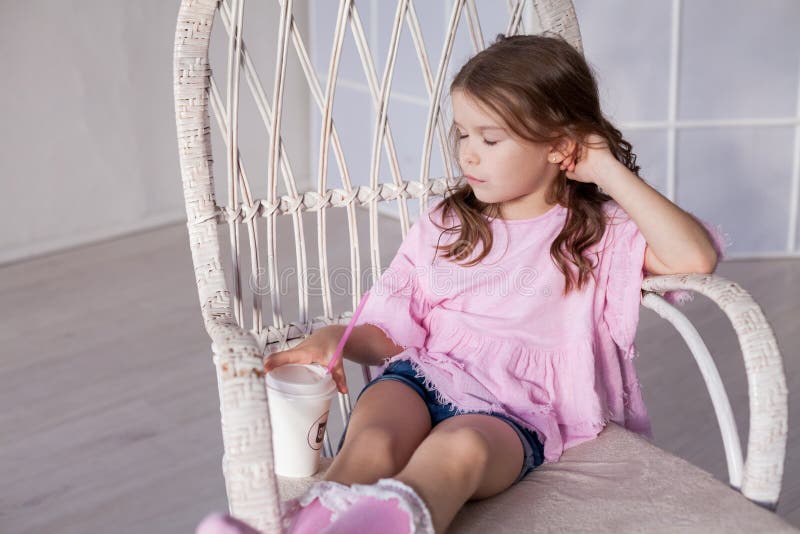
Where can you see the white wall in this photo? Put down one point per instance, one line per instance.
(88, 145)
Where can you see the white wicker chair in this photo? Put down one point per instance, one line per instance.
(617, 482)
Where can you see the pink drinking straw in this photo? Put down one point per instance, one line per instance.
(340, 347)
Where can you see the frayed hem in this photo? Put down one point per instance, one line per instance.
(431, 386)
(678, 297)
(631, 352)
(442, 399)
(596, 426)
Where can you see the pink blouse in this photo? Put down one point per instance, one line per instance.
(501, 336)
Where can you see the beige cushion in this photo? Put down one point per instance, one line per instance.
(618, 482)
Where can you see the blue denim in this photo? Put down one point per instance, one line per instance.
(402, 371)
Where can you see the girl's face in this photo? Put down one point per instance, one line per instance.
(502, 167)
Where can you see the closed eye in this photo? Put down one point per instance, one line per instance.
(490, 143)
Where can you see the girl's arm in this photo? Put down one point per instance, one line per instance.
(676, 242)
(367, 344)
(679, 243)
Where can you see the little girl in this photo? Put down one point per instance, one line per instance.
(505, 323)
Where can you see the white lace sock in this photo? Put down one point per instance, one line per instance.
(311, 512)
(393, 505)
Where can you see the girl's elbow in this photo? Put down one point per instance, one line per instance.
(702, 264)
(708, 264)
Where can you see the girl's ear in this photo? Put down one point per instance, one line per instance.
(565, 146)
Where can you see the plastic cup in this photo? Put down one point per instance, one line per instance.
(299, 402)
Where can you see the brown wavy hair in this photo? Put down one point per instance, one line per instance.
(544, 90)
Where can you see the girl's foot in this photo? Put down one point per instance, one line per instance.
(304, 515)
(313, 511)
(393, 505)
(332, 508)
(223, 524)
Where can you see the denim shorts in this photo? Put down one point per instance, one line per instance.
(402, 371)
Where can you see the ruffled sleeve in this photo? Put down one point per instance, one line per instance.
(624, 258)
(625, 251)
(396, 303)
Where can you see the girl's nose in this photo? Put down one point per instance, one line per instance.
(468, 157)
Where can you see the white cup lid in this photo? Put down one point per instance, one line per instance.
(301, 380)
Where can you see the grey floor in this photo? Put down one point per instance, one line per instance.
(110, 417)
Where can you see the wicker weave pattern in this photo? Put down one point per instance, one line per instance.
(247, 463)
(766, 445)
(238, 351)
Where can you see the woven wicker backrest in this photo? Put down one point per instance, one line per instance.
(251, 293)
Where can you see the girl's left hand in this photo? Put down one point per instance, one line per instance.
(591, 161)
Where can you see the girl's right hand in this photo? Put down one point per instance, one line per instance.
(317, 348)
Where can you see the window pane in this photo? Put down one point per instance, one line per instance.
(739, 178)
(739, 59)
(650, 147)
(348, 108)
(324, 16)
(627, 44)
(797, 237)
(408, 77)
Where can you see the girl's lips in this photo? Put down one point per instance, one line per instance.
(474, 180)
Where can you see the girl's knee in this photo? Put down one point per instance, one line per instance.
(376, 445)
(469, 445)
(462, 452)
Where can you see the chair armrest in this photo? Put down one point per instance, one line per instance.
(766, 445)
(247, 463)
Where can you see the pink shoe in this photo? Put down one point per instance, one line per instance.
(332, 508)
(312, 511)
(223, 524)
(393, 505)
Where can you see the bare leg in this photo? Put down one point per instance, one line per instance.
(388, 423)
(470, 456)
